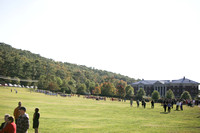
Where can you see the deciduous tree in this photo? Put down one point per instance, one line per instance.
(97, 90)
(169, 94)
(186, 95)
(155, 95)
(108, 89)
(129, 91)
(140, 93)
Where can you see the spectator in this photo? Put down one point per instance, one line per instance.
(152, 104)
(10, 127)
(3, 125)
(169, 107)
(131, 102)
(172, 104)
(23, 121)
(181, 105)
(144, 103)
(36, 117)
(138, 103)
(16, 112)
(165, 106)
(177, 105)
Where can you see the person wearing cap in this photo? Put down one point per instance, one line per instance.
(23, 121)
(16, 112)
(10, 127)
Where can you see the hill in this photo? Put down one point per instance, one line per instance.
(53, 75)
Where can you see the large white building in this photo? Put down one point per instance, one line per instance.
(162, 86)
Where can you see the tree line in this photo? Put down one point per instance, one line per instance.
(170, 95)
(59, 76)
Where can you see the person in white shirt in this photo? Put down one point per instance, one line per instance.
(177, 105)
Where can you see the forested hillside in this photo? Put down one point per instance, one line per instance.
(57, 76)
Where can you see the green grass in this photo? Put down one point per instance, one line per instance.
(77, 115)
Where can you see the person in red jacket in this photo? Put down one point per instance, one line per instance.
(10, 127)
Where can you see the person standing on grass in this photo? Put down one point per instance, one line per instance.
(169, 107)
(10, 127)
(172, 103)
(138, 103)
(165, 106)
(131, 102)
(144, 104)
(152, 104)
(23, 121)
(177, 105)
(17, 112)
(36, 117)
(181, 105)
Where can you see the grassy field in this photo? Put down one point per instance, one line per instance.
(77, 115)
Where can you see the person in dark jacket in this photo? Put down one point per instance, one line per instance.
(165, 106)
(138, 103)
(23, 121)
(181, 105)
(152, 104)
(144, 103)
(169, 107)
(3, 125)
(36, 117)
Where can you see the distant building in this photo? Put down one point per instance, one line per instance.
(162, 86)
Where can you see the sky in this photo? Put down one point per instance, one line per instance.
(145, 39)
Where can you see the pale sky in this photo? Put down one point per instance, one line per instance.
(146, 39)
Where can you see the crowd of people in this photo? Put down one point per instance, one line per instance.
(21, 118)
(167, 104)
(143, 103)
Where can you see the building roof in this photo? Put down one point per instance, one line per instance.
(151, 82)
(184, 80)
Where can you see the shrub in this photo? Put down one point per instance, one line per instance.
(155, 95)
(186, 95)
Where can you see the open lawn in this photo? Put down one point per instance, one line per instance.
(77, 114)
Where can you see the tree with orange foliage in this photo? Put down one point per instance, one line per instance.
(108, 89)
(97, 89)
(121, 91)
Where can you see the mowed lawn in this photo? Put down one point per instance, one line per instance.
(77, 114)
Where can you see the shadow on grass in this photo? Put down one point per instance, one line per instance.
(164, 112)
